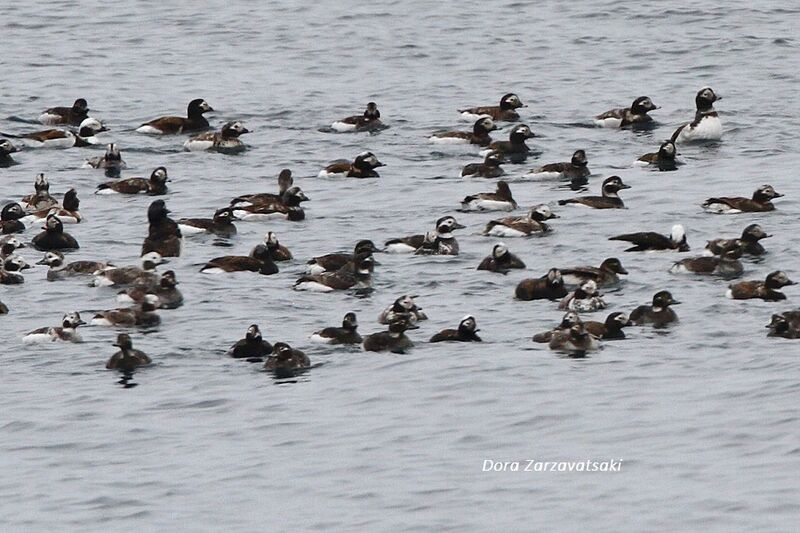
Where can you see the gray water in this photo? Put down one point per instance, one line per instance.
(703, 416)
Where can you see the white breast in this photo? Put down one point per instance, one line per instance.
(319, 338)
(325, 174)
(720, 208)
(609, 122)
(709, 129)
(506, 231)
(447, 140)
(399, 248)
(49, 119)
(472, 117)
(150, 130)
(196, 145)
(487, 205)
(312, 286)
(543, 174)
(343, 127)
(190, 230)
(34, 338)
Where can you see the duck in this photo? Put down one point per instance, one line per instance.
(68, 212)
(164, 236)
(444, 228)
(347, 334)
(706, 125)
(525, 226)
(285, 360)
(54, 237)
(649, 241)
(10, 219)
(3, 309)
(221, 224)
(583, 299)
(664, 159)
(194, 121)
(58, 138)
(260, 260)
(278, 251)
(490, 168)
(479, 134)
(111, 161)
(659, 314)
(726, 264)
(576, 169)
(169, 297)
(500, 200)
(393, 339)
(10, 268)
(141, 314)
(467, 331)
(611, 329)
(608, 200)
(548, 287)
(285, 181)
(288, 208)
(501, 260)
(335, 261)
(8, 245)
(67, 332)
(606, 274)
(252, 346)
(370, 120)
(60, 269)
(786, 325)
(363, 166)
(635, 115)
(357, 275)
(225, 141)
(403, 307)
(765, 290)
(127, 358)
(575, 341)
(514, 150)
(569, 319)
(748, 242)
(6, 149)
(505, 112)
(72, 116)
(41, 198)
(156, 185)
(438, 242)
(113, 276)
(727, 205)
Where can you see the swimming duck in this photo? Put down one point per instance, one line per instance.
(285, 360)
(225, 141)
(130, 275)
(285, 181)
(41, 198)
(575, 170)
(605, 274)
(194, 121)
(67, 332)
(357, 275)
(111, 161)
(156, 185)
(346, 334)
(68, 212)
(164, 236)
(490, 168)
(748, 242)
(393, 340)
(57, 138)
(569, 319)
(611, 329)
(506, 111)
(10, 219)
(608, 200)
(403, 307)
(583, 299)
(363, 166)
(9, 268)
(467, 331)
(260, 260)
(501, 260)
(651, 241)
(335, 261)
(726, 264)
(370, 120)
(479, 134)
(522, 226)
(252, 346)
(221, 224)
(765, 290)
(141, 314)
(706, 125)
(500, 200)
(575, 341)
(59, 269)
(664, 159)
(54, 237)
(72, 116)
(169, 297)
(287, 208)
(659, 314)
(6, 149)
(514, 150)
(786, 325)
(635, 115)
(548, 287)
(444, 228)
(127, 358)
(761, 201)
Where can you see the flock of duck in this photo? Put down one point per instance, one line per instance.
(576, 289)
